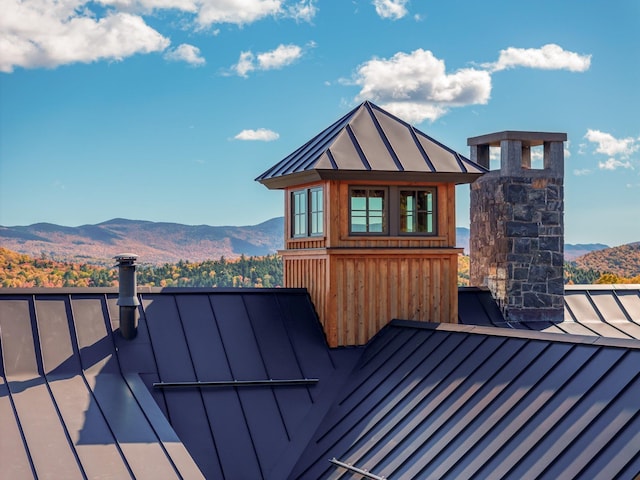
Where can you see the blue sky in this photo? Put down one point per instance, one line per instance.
(166, 110)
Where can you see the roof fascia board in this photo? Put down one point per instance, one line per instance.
(310, 176)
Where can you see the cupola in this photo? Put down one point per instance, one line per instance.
(370, 225)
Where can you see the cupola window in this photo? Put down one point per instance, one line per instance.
(392, 211)
(307, 212)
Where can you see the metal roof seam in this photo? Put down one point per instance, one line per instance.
(266, 369)
(384, 137)
(441, 419)
(488, 382)
(291, 343)
(195, 373)
(425, 155)
(524, 422)
(626, 313)
(291, 163)
(75, 345)
(603, 319)
(493, 421)
(356, 145)
(143, 318)
(254, 447)
(592, 388)
(460, 163)
(40, 359)
(334, 165)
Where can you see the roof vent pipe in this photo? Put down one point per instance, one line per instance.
(127, 294)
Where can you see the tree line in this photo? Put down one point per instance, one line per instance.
(22, 271)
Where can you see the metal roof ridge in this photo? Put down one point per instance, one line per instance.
(520, 333)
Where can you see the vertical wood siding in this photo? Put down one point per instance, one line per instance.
(355, 296)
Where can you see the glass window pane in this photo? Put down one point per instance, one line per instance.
(416, 211)
(367, 210)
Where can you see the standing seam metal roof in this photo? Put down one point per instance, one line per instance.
(602, 310)
(419, 401)
(370, 139)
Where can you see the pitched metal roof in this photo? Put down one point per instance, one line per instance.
(447, 400)
(602, 310)
(68, 409)
(371, 143)
(77, 401)
(455, 401)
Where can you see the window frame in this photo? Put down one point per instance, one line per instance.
(309, 217)
(433, 212)
(385, 210)
(391, 212)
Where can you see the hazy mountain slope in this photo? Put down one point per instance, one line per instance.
(154, 242)
(623, 261)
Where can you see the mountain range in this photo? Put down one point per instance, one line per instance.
(153, 242)
(160, 242)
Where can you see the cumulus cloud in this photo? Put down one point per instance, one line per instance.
(48, 33)
(261, 134)
(391, 9)
(185, 53)
(607, 144)
(282, 56)
(243, 12)
(239, 12)
(619, 150)
(548, 57)
(416, 86)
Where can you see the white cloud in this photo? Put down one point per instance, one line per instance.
(548, 57)
(582, 172)
(416, 87)
(607, 144)
(48, 33)
(185, 53)
(261, 134)
(613, 164)
(393, 9)
(239, 12)
(243, 12)
(282, 56)
(303, 11)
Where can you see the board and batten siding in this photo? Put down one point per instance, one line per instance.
(356, 293)
(359, 283)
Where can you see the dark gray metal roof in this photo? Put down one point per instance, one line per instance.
(77, 401)
(603, 310)
(455, 401)
(67, 409)
(371, 143)
(449, 401)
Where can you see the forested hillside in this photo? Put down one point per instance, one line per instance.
(622, 261)
(21, 271)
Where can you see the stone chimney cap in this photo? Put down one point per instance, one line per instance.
(530, 139)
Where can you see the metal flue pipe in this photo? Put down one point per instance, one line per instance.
(127, 294)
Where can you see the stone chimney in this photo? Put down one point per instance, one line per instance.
(517, 225)
(127, 294)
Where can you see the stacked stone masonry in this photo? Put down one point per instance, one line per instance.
(517, 240)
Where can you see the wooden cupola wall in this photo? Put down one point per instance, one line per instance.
(370, 225)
